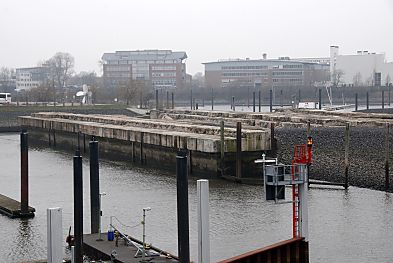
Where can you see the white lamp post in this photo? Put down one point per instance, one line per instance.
(99, 222)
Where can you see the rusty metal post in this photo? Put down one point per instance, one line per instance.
(346, 162)
(239, 149)
(24, 167)
(387, 157)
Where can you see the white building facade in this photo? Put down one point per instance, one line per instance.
(363, 68)
(28, 78)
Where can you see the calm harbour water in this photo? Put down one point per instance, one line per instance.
(345, 226)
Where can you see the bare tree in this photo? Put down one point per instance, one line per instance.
(130, 90)
(357, 79)
(60, 70)
(337, 77)
(6, 75)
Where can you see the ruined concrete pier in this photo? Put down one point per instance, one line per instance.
(155, 141)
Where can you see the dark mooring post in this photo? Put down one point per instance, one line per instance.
(383, 99)
(271, 101)
(182, 208)
(320, 99)
(24, 168)
(191, 99)
(222, 145)
(389, 96)
(253, 101)
(233, 103)
(212, 100)
(299, 97)
(356, 102)
(173, 101)
(239, 149)
(387, 148)
(167, 99)
(367, 101)
(94, 186)
(78, 207)
(259, 100)
(346, 161)
(157, 106)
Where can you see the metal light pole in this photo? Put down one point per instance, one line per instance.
(144, 234)
(99, 218)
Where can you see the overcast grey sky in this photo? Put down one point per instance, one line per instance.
(208, 30)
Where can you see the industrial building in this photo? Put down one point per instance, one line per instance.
(160, 69)
(282, 72)
(361, 69)
(28, 78)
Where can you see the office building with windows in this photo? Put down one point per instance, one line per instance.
(28, 78)
(160, 69)
(282, 72)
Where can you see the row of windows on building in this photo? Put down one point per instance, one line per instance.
(164, 82)
(27, 84)
(115, 62)
(244, 74)
(287, 73)
(288, 80)
(243, 67)
(293, 66)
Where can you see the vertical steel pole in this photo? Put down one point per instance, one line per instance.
(167, 99)
(94, 186)
(271, 101)
(212, 100)
(203, 221)
(383, 99)
(356, 102)
(259, 100)
(78, 207)
(239, 149)
(24, 157)
(191, 106)
(303, 204)
(346, 155)
(173, 101)
(367, 101)
(182, 208)
(157, 106)
(233, 103)
(320, 99)
(387, 157)
(253, 101)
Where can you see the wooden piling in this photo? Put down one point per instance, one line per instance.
(387, 157)
(222, 146)
(346, 161)
(233, 103)
(141, 149)
(239, 149)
